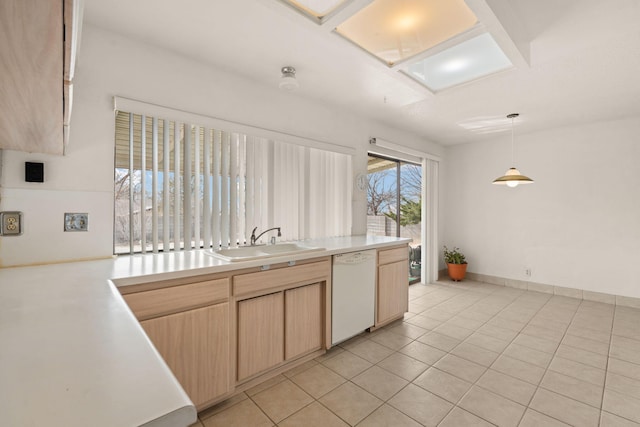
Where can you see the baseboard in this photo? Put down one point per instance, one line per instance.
(549, 289)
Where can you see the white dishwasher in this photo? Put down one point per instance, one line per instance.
(353, 296)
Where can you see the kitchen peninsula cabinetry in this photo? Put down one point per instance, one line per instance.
(224, 332)
(216, 333)
(280, 316)
(189, 326)
(393, 284)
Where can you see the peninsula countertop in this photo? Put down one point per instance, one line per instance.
(72, 353)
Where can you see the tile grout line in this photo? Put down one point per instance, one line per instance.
(549, 364)
(606, 369)
(455, 405)
(510, 342)
(385, 402)
(349, 380)
(611, 335)
(502, 353)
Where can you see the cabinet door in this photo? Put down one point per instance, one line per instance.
(31, 76)
(303, 314)
(260, 334)
(195, 345)
(393, 290)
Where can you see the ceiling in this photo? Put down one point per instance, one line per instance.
(577, 61)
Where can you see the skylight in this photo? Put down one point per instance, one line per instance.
(469, 60)
(394, 30)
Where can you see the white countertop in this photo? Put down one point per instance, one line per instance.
(73, 354)
(137, 269)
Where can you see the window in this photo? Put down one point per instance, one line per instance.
(186, 186)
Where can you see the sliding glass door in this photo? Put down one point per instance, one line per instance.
(394, 204)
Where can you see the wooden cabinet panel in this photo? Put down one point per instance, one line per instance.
(244, 284)
(393, 290)
(260, 334)
(163, 301)
(31, 75)
(303, 320)
(392, 255)
(195, 345)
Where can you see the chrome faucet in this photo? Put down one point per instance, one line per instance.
(255, 238)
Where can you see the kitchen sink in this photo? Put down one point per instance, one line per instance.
(248, 253)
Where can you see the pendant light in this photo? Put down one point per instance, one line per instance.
(512, 178)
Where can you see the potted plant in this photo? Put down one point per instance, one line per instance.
(456, 263)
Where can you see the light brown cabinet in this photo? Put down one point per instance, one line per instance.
(393, 284)
(260, 334)
(280, 316)
(278, 327)
(303, 320)
(224, 333)
(39, 40)
(195, 345)
(189, 324)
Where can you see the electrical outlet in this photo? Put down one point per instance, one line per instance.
(11, 223)
(527, 272)
(76, 221)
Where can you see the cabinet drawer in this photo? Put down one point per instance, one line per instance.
(164, 301)
(281, 278)
(392, 255)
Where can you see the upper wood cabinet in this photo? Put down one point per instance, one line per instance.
(38, 40)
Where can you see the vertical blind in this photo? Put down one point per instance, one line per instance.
(184, 186)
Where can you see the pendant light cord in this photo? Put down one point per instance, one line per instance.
(512, 146)
(512, 116)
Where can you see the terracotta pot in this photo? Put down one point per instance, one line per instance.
(457, 271)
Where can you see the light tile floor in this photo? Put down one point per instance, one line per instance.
(466, 354)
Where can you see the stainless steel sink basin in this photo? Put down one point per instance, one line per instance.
(248, 253)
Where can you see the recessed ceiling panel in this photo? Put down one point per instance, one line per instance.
(469, 60)
(316, 8)
(394, 30)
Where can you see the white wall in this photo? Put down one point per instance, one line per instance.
(82, 180)
(577, 226)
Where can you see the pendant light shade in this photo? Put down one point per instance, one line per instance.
(512, 177)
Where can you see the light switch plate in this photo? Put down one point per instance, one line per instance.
(76, 221)
(11, 223)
